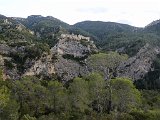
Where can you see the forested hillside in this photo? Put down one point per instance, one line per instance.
(93, 70)
(121, 37)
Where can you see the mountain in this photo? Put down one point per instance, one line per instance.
(37, 22)
(11, 30)
(48, 29)
(44, 46)
(102, 29)
(45, 28)
(112, 36)
(25, 50)
(91, 70)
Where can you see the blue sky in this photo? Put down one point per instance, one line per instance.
(134, 12)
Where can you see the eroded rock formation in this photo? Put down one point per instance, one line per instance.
(138, 66)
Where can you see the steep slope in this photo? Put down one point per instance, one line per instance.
(39, 23)
(17, 45)
(143, 68)
(100, 28)
(45, 47)
(104, 29)
(48, 29)
(138, 66)
(13, 31)
(66, 59)
(153, 27)
(112, 36)
(120, 37)
(22, 52)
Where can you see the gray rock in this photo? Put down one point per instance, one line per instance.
(1, 28)
(138, 66)
(44, 66)
(68, 69)
(1, 61)
(55, 63)
(76, 46)
(5, 49)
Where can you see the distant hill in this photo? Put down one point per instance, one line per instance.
(104, 29)
(12, 31)
(49, 28)
(120, 37)
(108, 36)
(35, 22)
(44, 28)
(100, 28)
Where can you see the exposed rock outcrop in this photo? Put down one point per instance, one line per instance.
(76, 46)
(1, 61)
(44, 66)
(64, 59)
(68, 69)
(5, 49)
(138, 66)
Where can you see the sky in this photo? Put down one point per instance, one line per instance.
(138, 13)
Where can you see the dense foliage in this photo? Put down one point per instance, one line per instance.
(90, 97)
(106, 63)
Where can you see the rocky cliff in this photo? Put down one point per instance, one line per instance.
(65, 59)
(138, 66)
(74, 45)
(43, 66)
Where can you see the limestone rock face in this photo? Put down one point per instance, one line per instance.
(66, 59)
(138, 66)
(1, 61)
(76, 46)
(5, 49)
(68, 69)
(72, 51)
(44, 66)
(1, 28)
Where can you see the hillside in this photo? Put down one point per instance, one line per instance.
(119, 37)
(106, 28)
(26, 43)
(50, 70)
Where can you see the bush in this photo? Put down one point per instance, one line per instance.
(139, 115)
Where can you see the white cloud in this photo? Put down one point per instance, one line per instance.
(135, 12)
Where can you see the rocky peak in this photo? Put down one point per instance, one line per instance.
(74, 45)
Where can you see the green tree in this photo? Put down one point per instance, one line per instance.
(97, 91)
(31, 95)
(58, 98)
(106, 63)
(8, 106)
(79, 95)
(125, 96)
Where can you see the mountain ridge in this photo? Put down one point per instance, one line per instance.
(26, 43)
